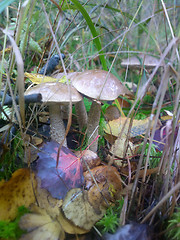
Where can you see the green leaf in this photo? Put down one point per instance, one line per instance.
(4, 4)
(93, 31)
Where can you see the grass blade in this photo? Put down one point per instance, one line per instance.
(93, 31)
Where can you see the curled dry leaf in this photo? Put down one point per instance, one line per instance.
(89, 158)
(77, 208)
(18, 191)
(102, 174)
(107, 188)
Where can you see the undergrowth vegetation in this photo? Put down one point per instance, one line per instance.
(100, 35)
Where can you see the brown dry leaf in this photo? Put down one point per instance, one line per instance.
(148, 172)
(123, 103)
(115, 127)
(101, 195)
(18, 191)
(124, 168)
(109, 184)
(40, 226)
(77, 209)
(110, 138)
(103, 174)
(31, 144)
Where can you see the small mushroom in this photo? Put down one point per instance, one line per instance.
(55, 94)
(98, 85)
(136, 62)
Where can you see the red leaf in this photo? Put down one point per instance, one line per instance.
(58, 181)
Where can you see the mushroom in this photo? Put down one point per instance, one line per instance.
(79, 106)
(136, 62)
(98, 85)
(55, 94)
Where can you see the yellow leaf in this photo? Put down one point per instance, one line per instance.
(68, 226)
(118, 148)
(39, 78)
(115, 127)
(77, 209)
(18, 191)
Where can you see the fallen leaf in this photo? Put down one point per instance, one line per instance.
(31, 148)
(107, 187)
(18, 191)
(103, 174)
(40, 226)
(39, 78)
(119, 148)
(123, 103)
(38, 218)
(68, 226)
(77, 208)
(46, 201)
(58, 181)
(115, 127)
(112, 113)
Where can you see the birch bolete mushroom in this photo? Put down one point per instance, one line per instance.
(79, 106)
(98, 85)
(55, 94)
(139, 61)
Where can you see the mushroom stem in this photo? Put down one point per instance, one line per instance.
(81, 114)
(57, 124)
(93, 124)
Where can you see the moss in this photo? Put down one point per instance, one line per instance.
(110, 222)
(173, 228)
(11, 230)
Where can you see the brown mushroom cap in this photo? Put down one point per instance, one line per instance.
(137, 62)
(99, 84)
(55, 92)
